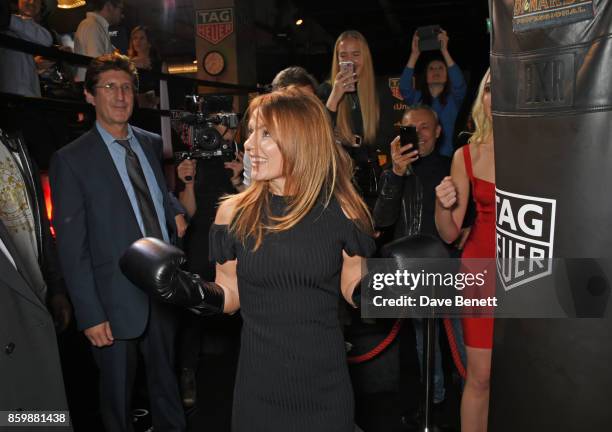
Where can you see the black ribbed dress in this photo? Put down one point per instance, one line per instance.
(292, 373)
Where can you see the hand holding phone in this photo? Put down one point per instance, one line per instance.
(347, 68)
(401, 157)
(409, 135)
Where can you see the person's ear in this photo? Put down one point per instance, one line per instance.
(438, 131)
(89, 98)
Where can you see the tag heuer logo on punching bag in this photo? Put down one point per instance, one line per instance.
(214, 25)
(524, 228)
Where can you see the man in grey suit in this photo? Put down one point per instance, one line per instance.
(108, 190)
(30, 370)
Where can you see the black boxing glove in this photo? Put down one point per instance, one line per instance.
(154, 266)
(416, 246)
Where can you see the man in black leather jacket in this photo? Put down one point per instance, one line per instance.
(407, 200)
(407, 190)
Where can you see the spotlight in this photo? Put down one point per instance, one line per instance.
(299, 22)
(70, 4)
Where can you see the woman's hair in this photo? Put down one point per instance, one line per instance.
(423, 87)
(366, 90)
(483, 124)
(153, 54)
(314, 166)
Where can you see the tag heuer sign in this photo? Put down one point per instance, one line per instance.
(524, 228)
(394, 87)
(214, 25)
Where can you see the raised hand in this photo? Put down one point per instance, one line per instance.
(446, 193)
(402, 156)
(187, 170)
(443, 38)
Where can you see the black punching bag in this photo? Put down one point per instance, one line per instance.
(551, 66)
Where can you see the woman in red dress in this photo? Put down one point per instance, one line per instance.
(473, 165)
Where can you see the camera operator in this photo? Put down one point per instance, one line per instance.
(206, 178)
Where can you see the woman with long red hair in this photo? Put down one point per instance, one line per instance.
(285, 249)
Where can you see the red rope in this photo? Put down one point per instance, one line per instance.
(452, 343)
(378, 348)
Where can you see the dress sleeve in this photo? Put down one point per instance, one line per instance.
(357, 242)
(222, 246)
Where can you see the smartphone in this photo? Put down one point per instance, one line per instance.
(348, 68)
(428, 38)
(408, 135)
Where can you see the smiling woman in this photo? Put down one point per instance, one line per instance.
(266, 157)
(285, 248)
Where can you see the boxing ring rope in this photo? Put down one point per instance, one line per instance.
(383, 345)
(452, 343)
(22, 45)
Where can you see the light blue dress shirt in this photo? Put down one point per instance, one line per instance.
(117, 152)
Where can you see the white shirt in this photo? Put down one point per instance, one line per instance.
(7, 253)
(92, 39)
(18, 73)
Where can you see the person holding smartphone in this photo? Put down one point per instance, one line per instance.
(410, 183)
(407, 201)
(443, 88)
(352, 101)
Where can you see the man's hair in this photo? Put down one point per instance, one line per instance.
(422, 107)
(294, 76)
(98, 5)
(108, 62)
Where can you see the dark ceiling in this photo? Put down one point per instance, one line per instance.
(387, 25)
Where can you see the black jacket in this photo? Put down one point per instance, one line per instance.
(409, 201)
(30, 370)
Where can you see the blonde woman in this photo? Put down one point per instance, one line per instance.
(286, 248)
(474, 165)
(355, 114)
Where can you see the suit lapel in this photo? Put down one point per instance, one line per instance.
(16, 280)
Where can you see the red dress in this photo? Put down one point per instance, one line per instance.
(478, 332)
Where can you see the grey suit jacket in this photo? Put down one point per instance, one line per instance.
(30, 371)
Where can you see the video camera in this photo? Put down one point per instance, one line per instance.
(203, 139)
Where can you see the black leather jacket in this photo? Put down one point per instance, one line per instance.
(408, 202)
